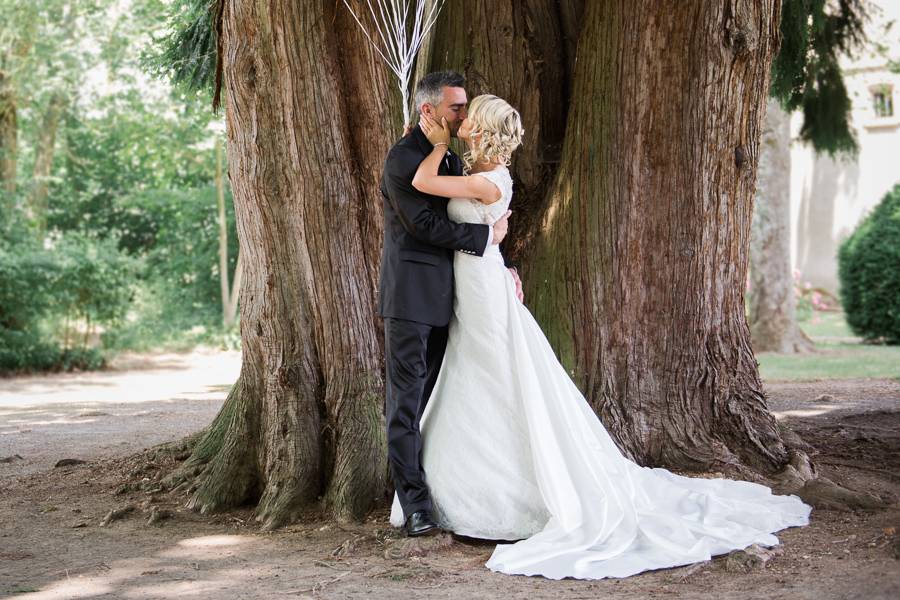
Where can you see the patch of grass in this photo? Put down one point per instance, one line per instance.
(839, 355)
(825, 325)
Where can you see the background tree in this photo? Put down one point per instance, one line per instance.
(18, 25)
(42, 63)
(807, 77)
(229, 293)
(772, 299)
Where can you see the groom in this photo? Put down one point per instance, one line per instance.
(415, 293)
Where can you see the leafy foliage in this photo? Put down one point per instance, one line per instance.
(187, 52)
(806, 73)
(44, 291)
(129, 256)
(182, 251)
(869, 272)
(126, 144)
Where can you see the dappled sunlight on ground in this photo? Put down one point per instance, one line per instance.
(812, 410)
(205, 546)
(202, 566)
(90, 415)
(70, 588)
(194, 375)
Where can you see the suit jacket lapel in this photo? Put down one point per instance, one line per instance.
(455, 165)
(421, 140)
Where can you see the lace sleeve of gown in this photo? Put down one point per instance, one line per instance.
(491, 212)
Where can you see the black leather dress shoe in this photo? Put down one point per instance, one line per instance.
(421, 523)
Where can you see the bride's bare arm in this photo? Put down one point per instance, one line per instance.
(428, 181)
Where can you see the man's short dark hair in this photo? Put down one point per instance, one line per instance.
(429, 89)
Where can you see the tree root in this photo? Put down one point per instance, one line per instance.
(824, 493)
(229, 480)
(222, 469)
(800, 477)
(281, 503)
(752, 558)
(199, 449)
(179, 449)
(116, 514)
(417, 546)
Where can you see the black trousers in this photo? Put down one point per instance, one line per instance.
(413, 355)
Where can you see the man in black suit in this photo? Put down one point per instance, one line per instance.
(416, 288)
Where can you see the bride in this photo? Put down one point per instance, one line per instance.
(511, 449)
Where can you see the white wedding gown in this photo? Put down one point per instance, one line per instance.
(512, 451)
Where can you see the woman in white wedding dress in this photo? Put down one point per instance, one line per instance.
(511, 449)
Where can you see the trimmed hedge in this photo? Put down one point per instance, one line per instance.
(869, 272)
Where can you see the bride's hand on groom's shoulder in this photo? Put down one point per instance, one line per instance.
(437, 133)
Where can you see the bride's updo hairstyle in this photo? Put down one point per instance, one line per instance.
(496, 130)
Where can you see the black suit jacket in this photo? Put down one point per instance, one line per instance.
(419, 239)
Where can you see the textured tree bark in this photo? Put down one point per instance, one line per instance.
(307, 117)
(45, 149)
(773, 318)
(638, 271)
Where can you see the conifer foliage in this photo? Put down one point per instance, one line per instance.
(806, 74)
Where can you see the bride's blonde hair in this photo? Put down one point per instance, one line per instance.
(496, 130)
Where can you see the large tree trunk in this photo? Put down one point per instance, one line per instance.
(45, 148)
(309, 112)
(773, 319)
(635, 259)
(638, 272)
(633, 204)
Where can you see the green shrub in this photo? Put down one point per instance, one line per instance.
(27, 280)
(93, 281)
(869, 272)
(44, 292)
(178, 302)
(25, 351)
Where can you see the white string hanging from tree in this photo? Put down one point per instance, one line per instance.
(399, 44)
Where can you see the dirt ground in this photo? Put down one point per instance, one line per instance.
(52, 543)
